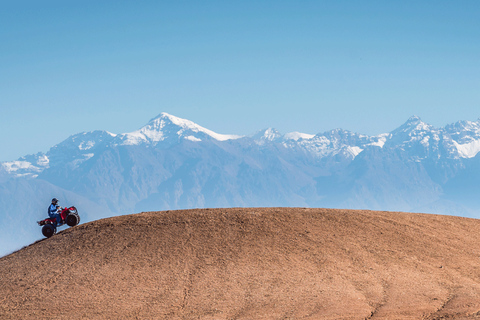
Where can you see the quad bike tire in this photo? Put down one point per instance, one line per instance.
(48, 230)
(73, 218)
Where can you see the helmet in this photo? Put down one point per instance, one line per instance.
(54, 200)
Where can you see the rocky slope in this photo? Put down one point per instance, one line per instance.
(251, 263)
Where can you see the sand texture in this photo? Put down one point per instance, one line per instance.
(250, 263)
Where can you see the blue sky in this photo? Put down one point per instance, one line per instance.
(233, 66)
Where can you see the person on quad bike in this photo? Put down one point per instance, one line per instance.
(54, 211)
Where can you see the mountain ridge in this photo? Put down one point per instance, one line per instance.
(466, 132)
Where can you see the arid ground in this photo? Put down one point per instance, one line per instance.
(250, 263)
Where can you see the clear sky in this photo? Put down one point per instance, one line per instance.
(234, 67)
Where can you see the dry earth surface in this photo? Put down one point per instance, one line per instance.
(250, 263)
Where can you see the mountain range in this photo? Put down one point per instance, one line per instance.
(173, 163)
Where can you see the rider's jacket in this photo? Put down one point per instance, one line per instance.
(52, 209)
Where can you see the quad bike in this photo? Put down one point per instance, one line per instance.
(68, 216)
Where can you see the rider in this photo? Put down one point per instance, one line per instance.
(53, 211)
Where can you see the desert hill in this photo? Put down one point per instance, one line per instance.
(250, 263)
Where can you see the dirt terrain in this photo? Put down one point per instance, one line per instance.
(250, 263)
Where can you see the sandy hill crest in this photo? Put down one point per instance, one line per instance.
(252, 263)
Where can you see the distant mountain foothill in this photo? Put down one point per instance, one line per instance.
(173, 163)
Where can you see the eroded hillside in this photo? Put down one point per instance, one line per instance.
(250, 263)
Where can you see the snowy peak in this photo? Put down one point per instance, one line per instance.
(342, 136)
(267, 135)
(272, 134)
(413, 132)
(298, 136)
(414, 119)
(422, 141)
(165, 121)
(28, 166)
(413, 125)
(71, 152)
(464, 131)
(166, 127)
(85, 140)
(466, 137)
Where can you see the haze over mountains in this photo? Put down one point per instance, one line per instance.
(173, 163)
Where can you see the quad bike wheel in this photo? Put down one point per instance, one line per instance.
(73, 219)
(48, 230)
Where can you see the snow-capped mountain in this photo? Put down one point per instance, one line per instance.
(174, 163)
(168, 128)
(336, 142)
(464, 135)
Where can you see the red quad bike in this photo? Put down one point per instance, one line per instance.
(69, 216)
